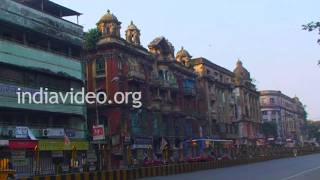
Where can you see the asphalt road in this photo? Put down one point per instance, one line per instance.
(298, 168)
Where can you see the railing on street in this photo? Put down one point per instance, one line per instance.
(134, 172)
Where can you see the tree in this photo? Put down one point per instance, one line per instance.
(269, 129)
(91, 38)
(313, 128)
(311, 27)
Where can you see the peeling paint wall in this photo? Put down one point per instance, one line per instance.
(38, 21)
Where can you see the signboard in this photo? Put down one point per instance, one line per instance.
(70, 132)
(21, 132)
(4, 143)
(23, 144)
(59, 145)
(142, 142)
(98, 132)
(11, 90)
(54, 132)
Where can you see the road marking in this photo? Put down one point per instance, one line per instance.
(301, 173)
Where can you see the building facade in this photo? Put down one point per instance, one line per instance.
(168, 93)
(217, 100)
(247, 106)
(40, 49)
(287, 113)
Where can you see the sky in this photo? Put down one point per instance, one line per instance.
(266, 35)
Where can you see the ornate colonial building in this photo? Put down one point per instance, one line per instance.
(169, 102)
(287, 113)
(247, 106)
(216, 99)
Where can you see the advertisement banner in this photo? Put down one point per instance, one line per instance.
(23, 144)
(21, 132)
(98, 132)
(59, 145)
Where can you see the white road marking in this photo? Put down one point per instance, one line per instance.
(301, 173)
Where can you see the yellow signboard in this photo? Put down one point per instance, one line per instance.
(59, 145)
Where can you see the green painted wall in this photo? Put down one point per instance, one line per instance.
(19, 55)
(38, 21)
(12, 102)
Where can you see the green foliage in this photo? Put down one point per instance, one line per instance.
(313, 130)
(91, 38)
(311, 26)
(269, 129)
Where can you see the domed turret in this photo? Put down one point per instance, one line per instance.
(183, 57)
(241, 73)
(133, 34)
(109, 25)
(162, 48)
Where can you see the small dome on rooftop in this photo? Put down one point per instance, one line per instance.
(108, 17)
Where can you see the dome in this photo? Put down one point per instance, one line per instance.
(109, 17)
(182, 53)
(132, 26)
(241, 72)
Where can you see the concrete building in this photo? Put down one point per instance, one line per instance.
(288, 113)
(38, 48)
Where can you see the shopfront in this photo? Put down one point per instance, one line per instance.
(64, 157)
(22, 155)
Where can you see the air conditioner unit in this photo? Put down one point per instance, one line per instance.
(9, 132)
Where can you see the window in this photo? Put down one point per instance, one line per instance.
(264, 112)
(272, 100)
(119, 65)
(100, 66)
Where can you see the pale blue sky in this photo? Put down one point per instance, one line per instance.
(266, 35)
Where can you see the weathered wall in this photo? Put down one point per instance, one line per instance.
(40, 22)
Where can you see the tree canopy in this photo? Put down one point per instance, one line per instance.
(311, 27)
(91, 38)
(269, 129)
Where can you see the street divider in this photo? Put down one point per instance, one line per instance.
(171, 169)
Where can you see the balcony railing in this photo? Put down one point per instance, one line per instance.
(136, 75)
(27, 56)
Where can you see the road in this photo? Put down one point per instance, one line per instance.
(299, 168)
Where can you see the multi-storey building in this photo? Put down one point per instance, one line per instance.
(287, 113)
(216, 99)
(247, 106)
(168, 89)
(40, 49)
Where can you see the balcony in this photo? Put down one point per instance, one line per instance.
(39, 21)
(9, 99)
(20, 55)
(136, 76)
